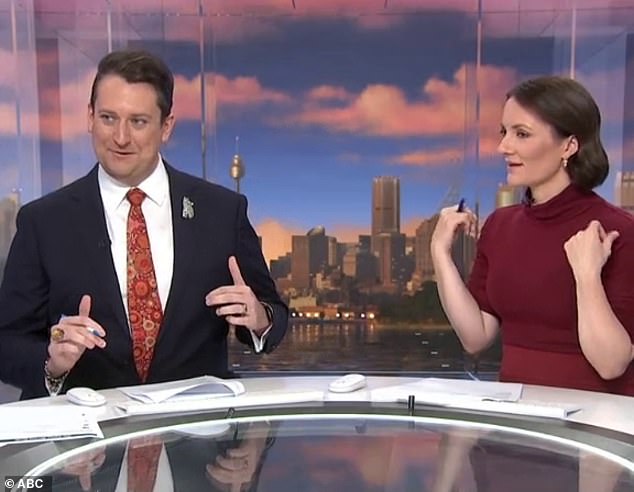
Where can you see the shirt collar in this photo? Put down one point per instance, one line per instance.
(155, 186)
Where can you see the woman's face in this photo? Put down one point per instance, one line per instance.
(533, 152)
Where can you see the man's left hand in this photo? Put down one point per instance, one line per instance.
(237, 302)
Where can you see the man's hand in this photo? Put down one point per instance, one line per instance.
(237, 467)
(237, 302)
(71, 337)
(84, 466)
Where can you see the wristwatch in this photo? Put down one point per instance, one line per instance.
(53, 384)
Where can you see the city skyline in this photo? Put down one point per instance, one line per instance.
(322, 101)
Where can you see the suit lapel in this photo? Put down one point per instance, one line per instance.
(93, 233)
(184, 223)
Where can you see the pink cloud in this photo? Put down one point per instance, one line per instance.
(231, 21)
(429, 157)
(328, 93)
(243, 91)
(384, 110)
(236, 21)
(221, 91)
(63, 113)
(8, 123)
(447, 156)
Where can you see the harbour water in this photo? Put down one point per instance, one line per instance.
(363, 347)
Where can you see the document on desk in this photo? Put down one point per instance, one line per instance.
(46, 423)
(250, 399)
(199, 388)
(485, 396)
(446, 390)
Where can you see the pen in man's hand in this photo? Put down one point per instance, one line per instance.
(90, 329)
(461, 205)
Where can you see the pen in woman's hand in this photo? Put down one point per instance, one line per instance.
(461, 205)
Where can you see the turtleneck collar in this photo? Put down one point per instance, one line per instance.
(569, 203)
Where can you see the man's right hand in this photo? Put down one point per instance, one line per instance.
(85, 465)
(69, 344)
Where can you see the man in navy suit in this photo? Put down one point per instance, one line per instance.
(64, 317)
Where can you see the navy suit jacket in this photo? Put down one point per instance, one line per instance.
(61, 251)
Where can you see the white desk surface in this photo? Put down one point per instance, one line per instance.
(608, 411)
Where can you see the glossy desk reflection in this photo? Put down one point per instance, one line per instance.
(353, 445)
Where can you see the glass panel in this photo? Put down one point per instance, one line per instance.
(19, 131)
(328, 452)
(316, 100)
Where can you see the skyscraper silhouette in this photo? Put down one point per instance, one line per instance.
(386, 205)
(388, 244)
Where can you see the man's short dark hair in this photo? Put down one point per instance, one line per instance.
(138, 66)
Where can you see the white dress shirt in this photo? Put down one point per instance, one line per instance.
(157, 210)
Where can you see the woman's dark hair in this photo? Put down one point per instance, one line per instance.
(137, 66)
(570, 109)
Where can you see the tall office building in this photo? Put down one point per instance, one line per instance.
(390, 254)
(424, 268)
(386, 205)
(387, 242)
(300, 262)
(309, 256)
(333, 252)
(359, 264)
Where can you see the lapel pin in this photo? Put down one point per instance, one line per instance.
(188, 208)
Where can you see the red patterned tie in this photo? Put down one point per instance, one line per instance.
(144, 305)
(143, 458)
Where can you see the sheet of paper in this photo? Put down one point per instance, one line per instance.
(46, 423)
(199, 388)
(447, 390)
(480, 396)
(246, 400)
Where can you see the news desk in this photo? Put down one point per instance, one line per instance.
(347, 442)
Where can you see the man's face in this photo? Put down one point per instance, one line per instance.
(126, 129)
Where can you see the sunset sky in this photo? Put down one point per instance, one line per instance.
(323, 98)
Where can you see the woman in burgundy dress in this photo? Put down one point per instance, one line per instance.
(554, 276)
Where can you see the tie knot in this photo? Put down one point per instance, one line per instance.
(135, 196)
